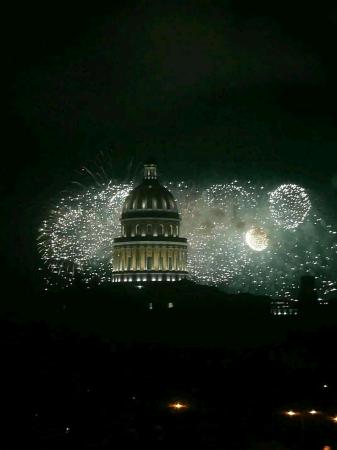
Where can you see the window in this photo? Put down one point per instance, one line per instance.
(149, 229)
(137, 229)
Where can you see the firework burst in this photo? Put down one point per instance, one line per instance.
(289, 205)
(76, 238)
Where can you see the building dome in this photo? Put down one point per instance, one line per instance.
(150, 247)
(150, 196)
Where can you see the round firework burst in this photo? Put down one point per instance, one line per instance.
(289, 205)
(257, 239)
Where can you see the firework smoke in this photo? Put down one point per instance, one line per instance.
(76, 238)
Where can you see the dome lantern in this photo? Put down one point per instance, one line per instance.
(150, 171)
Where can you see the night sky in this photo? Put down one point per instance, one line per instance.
(215, 90)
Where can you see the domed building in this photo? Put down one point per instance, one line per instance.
(150, 248)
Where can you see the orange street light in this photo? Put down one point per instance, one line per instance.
(177, 406)
(292, 413)
(334, 419)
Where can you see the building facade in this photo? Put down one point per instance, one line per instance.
(150, 247)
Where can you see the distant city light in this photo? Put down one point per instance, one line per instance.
(313, 412)
(178, 406)
(292, 413)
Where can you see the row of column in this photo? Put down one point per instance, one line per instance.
(149, 257)
(150, 229)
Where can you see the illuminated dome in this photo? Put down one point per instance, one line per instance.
(150, 196)
(150, 248)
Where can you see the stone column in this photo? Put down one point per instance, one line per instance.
(156, 252)
(180, 259)
(164, 256)
(175, 259)
(169, 255)
(121, 258)
(134, 258)
(142, 258)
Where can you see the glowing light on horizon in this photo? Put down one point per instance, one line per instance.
(178, 406)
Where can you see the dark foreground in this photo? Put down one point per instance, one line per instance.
(64, 387)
